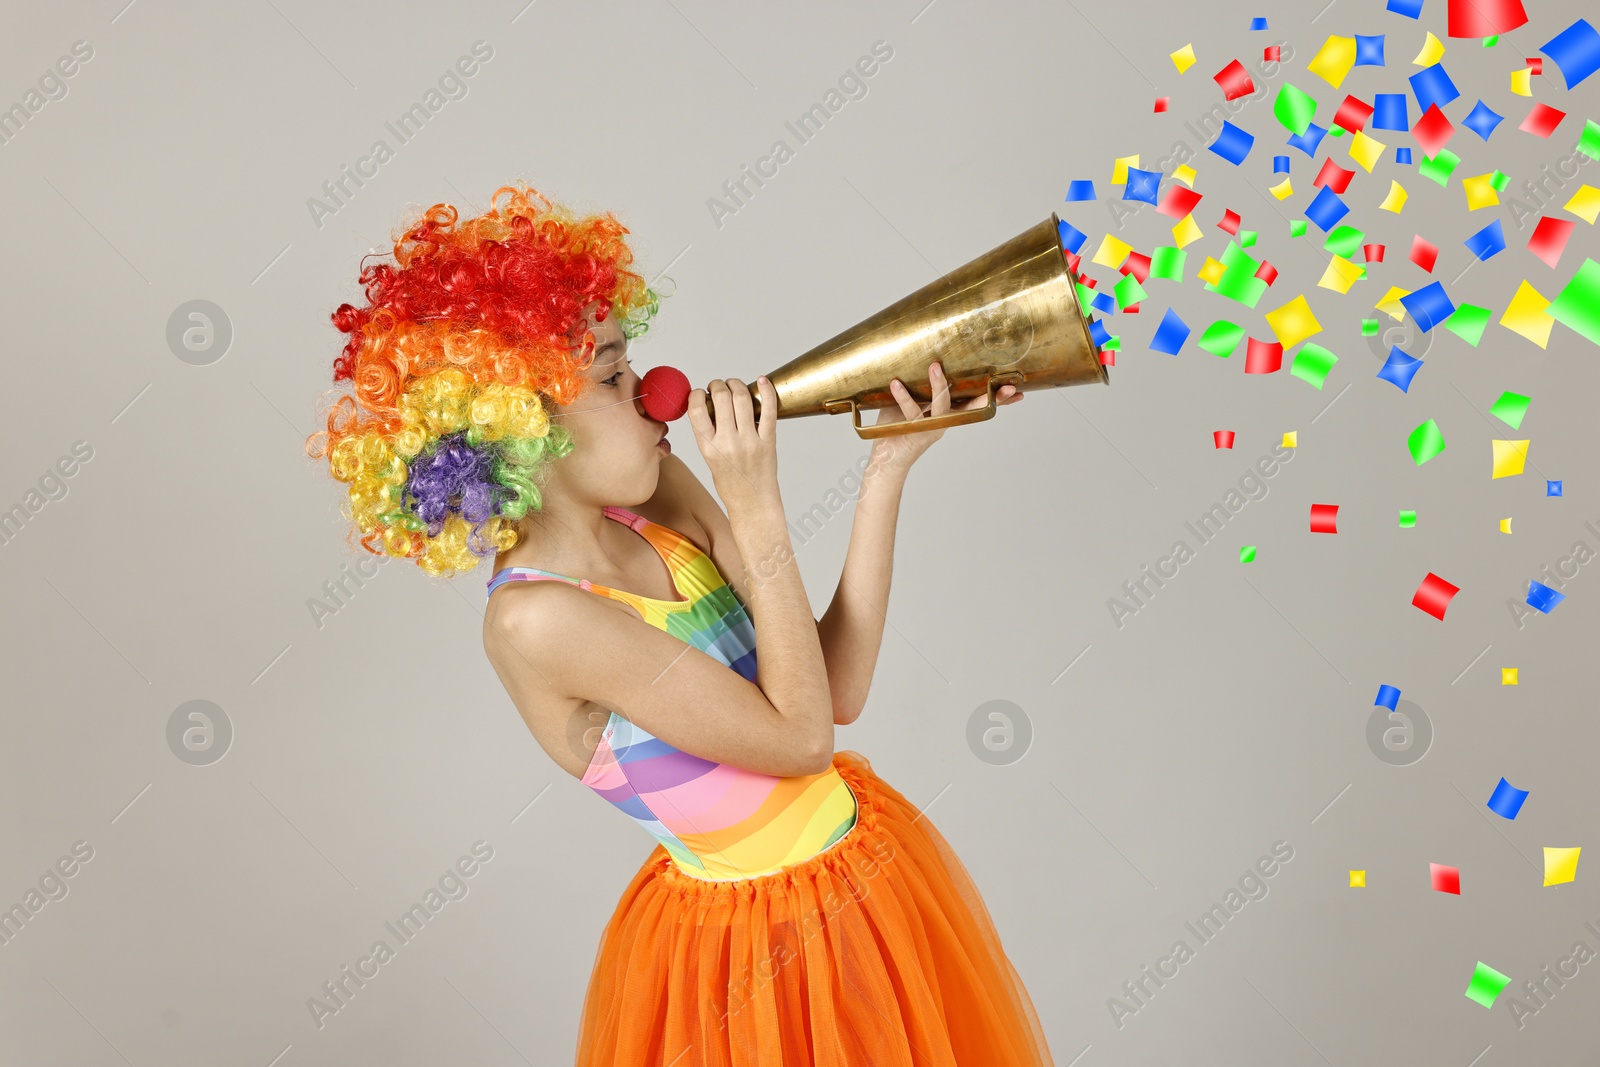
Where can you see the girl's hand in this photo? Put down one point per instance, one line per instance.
(897, 453)
(742, 455)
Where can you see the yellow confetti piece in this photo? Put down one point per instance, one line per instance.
(1508, 676)
(1585, 203)
(1390, 304)
(1432, 51)
(1183, 58)
(1186, 232)
(1112, 252)
(1291, 439)
(1184, 173)
(1340, 275)
(1505, 526)
(1293, 322)
(1560, 865)
(1211, 272)
(1396, 198)
(1283, 190)
(1358, 879)
(1509, 457)
(1119, 169)
(1480, 193)
(1526, 315)
(1334, 60)
(1366, 150)
(1522, 82)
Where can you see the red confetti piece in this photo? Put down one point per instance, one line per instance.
(1230, 222)
(1222, 438)
(1333, 176)
(1542, 120)
(1423, 253)
(1535, 65)
(1445, 879)
(1549, 239)
(1273, 54)
(1434, 595)
(1374, 253)
(1088, 282)
(1131, 309)
(1138, 265)
(1108, 358)
(1325, 518)
(1178, 201)
(1432, 131)
(1353, 114)
(1484, 18)
(1267, 272)
(1074, 262)
(1161, 103)
(1260, 357)
(1234, 80)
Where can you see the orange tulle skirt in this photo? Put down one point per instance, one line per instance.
(877, 951)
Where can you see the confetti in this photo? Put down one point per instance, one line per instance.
(1480, 192)
(1468, 323)
(1482, 120)
(1325, 518)
(1585, 203)
(1168, 263)
(1522, 82)
(1183, 58)
(1247, 554)
(1280, 164)
(1589, 143)
(1232, 143)
(1484, 18)
(1438, 168)
(1334, 60)
(1185, 174)
(1542, 121)
(1080, 190)
(1549, 239)
(1162, 103)
(1072, 238)
(1402, 155)
(1408, 520)
(1297, 227)
(1505, 526)
(1267, 272)
(1222, 438)
(1370, 327)
(1112, 252)
(1425, 442)
(1552, 488)
(1434, 595)
(1230, 221)
(1429, 305)
(1129, 291)
(1142, 185)
(1542, 598)
(1312, 364)
(1575, 51)
(1578, 305)
(1409, 8)
(1508, 676)
(1423, 253)
(1294, 109)
(1221, 338)
(1390, 303)
(1258, 23)
(1433, 131)
(1326, 209)
(1178, 202)
(1432, 85)
(1486, 982)
(1186, 232)
(1396, 200)
(1389, 112)
(1343, 241)
(1560, 864)
(1369, 51)
(1333, 176)
(1506, 800)
(1388, 697)
(1340, 275)
(1119, 168)
(1352, 114)
(1400, 369)
(1432, 52)
(1487, 242)
(1234, 80)
(1358, 879)
(1293, 322)
(1509, 458)
(1527, 315)
(1283, 190)
(1170, 335)
(1445, 879)
(1262, 357)
(1511, 408)
(1366, 151)
(1373, 253)
(1290, 440)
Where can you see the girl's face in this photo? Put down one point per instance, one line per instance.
(617, 453)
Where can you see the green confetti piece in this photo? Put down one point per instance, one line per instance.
(1247, 554)
(1589, 143)
(1486, 984)
(1467, 322)
(1425, 442)
(1128, 291)
(1312, 363)
(1297, 227)
(1167, 262)
(1408, 519)
(1113, 344)
(1498, 180)
(1294, 109)
(1085, 298)
(1437, 168)
(1491, 40)
(1247, 238)
(1370, 327)
(1336, 131)
(1510, 409)
(1578, 306)
(1343, 241)
(1239, 281)
(1222, 337)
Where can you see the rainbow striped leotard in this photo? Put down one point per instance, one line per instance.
(716, 822)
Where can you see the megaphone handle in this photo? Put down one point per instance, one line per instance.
(934, 422)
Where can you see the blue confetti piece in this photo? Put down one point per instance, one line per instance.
(1388, 696)
(1552, 488)
(1482, 121)
(1369, 51)
(1487, 242)
(1432, 85)
(1098, 332)
(1576, 51)
(1409, 8)
(1542, 597)
(1400, 369)
(1104, 303)
(1507, 800)
(1072, 238)
(1258, 24)
(1429, 305)
(1389, 112)
(1327, 209)
(1402, 155)
(1170, 335)
(1280, 164)
(1142, 185)
(1080, 190)
(1232, 143)
(1307, 142)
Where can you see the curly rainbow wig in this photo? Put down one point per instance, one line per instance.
(453, 363)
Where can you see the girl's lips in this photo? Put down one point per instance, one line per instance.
(664, 444)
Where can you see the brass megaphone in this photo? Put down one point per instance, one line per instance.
(1009, 317)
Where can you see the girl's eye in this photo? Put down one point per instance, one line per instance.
(612, 381)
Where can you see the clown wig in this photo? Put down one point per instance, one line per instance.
(453, 364)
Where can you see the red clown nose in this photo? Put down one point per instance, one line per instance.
(665, 393)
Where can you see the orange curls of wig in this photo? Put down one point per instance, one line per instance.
(463, 345)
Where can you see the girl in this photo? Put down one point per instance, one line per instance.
(795, 909)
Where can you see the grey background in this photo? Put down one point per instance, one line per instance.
(371, 751)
